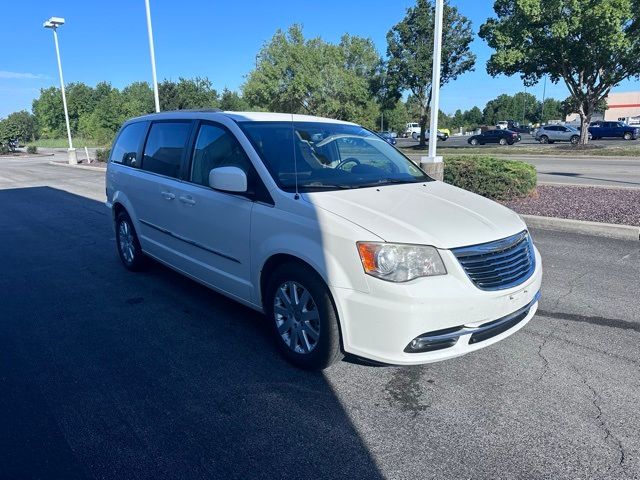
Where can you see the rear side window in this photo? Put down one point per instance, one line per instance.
(126, 147)
(165, 147)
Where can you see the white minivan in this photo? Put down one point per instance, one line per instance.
(342, 242)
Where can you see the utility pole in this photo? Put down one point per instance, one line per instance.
(156, 96)
(53, 23)
(544, 91)
(435, 92)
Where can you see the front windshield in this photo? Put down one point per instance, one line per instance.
(328, 156)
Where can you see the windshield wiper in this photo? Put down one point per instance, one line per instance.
(386, 181)
(323, 185)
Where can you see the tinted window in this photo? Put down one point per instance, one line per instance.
(125, 149)
(165, 145)
(216, 147)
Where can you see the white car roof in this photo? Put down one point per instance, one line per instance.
(238, 116)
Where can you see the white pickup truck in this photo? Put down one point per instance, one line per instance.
(413, 130)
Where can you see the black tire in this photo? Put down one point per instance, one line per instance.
(552, 141)
(326, 349)
(544, 139)
(628, 136)
(138, 260)
(473, 142)
(575, 139)
(502, 141)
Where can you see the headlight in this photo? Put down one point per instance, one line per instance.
(398, 262)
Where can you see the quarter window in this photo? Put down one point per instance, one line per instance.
(216, 147)
(165, 146)
(126, 147)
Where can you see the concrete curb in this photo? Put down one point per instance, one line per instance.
(610, 230)
(83, 167)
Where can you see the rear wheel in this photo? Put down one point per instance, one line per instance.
(303, 318)
(473, 141)
(414, 135)
(628, 136)
(128, 244)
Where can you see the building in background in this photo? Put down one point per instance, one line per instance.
(622, 106)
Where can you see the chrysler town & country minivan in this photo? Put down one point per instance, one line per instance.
(344, 244)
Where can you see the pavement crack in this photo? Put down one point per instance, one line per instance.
(545, 361)
(593, 320)
(609, 437)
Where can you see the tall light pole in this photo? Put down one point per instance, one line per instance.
(435, 83)
(156, 97)
(53, 23)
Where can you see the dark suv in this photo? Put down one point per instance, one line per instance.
(613, 130)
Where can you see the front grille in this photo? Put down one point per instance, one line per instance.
(498, 265)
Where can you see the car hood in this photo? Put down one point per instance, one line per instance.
(433, 213)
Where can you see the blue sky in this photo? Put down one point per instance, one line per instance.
(108, 41)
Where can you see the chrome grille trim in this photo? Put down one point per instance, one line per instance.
(498, 265)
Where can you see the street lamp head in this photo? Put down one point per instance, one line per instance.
(53, 22)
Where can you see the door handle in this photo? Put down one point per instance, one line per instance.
(187, 199)
(168, 195)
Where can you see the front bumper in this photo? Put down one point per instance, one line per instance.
(380, 324)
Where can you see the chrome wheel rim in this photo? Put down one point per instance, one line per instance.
(297, 317)
(125, 240)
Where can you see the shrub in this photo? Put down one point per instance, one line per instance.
(4, 149)
(32, 149)
(491, 177)
(102, 154)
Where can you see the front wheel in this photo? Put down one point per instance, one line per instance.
(544, 139)
(628, 136)
(414, 135)
(503, 141)
(303, 317)
(575, 139)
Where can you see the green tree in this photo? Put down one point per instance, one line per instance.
(396, 118)
(108, 114)
(49, 114)
(80, 101)
(137, 99)
(315, 77)
(232, 101)
(591, 45)
(522, 107)
(473, 118)
(410, 51)
(18, 125)
(551, 110)
(187, 93)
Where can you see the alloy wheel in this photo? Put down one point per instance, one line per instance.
(126, 242)
(297, 317)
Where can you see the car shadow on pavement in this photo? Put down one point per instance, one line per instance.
(110, 374)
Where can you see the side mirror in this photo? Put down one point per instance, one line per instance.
(228, 179)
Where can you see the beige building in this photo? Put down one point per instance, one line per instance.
(623, 106)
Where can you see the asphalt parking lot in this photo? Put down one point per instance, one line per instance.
(109, 374)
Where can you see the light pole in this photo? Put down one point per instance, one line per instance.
(435, 86)
(53, 23)
(156, 97)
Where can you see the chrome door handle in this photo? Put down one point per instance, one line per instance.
(168, 195)
(187, 199)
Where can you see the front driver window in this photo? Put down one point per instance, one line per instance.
(216, 147)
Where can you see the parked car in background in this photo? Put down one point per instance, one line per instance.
(558, 133)
(499, 136)
(502, 125)
(411, 128)
(388, 137)
(602, 129)
(441, 135)
(321, 225)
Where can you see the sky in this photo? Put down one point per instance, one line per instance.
(107, 40)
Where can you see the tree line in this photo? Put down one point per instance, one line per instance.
(590, 46)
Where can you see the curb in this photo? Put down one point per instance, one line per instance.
(83, 167)
(610, 230)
